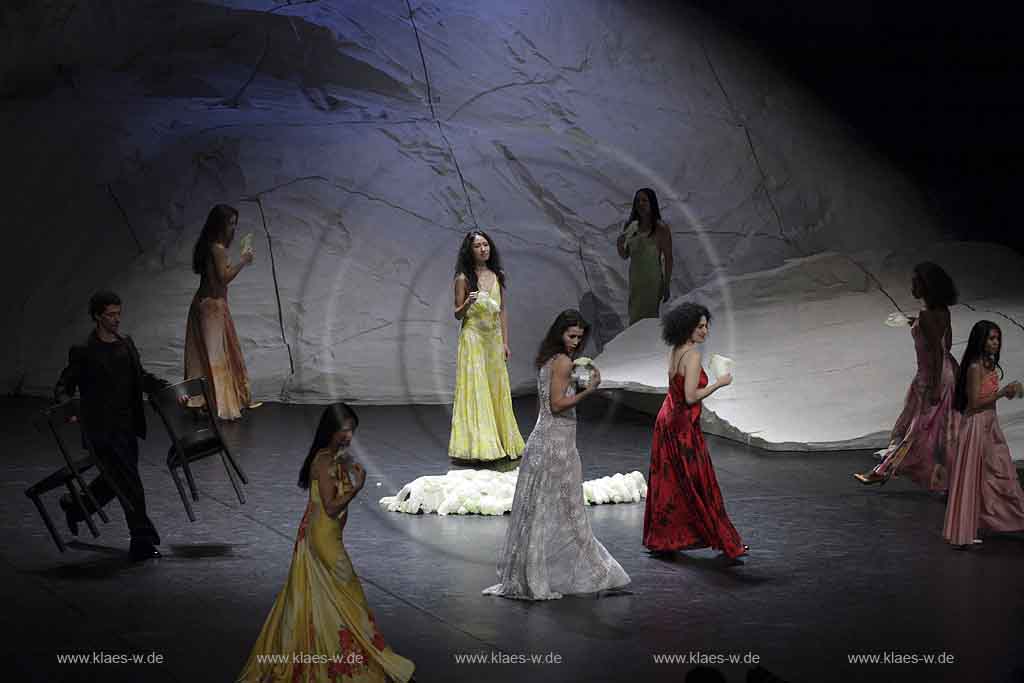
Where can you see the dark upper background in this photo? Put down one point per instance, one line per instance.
(936, 88)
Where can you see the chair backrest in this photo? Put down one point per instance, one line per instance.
(70, 436)
(180, 420)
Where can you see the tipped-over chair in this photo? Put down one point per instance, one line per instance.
(78, 456)
(194, 435)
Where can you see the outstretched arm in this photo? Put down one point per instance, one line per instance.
(621, 247)
(151, 384)
(665, 247)
(975, 401)
(67, 385)
(225, 271)
(504, 325)
(691, 378)
(561, 368)
(463, 297)
(933, 327)
(335, 500)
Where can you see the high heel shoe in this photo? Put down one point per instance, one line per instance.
(871, 478)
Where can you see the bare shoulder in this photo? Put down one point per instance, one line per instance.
(322, 458)
(561, 362)
(461, 277)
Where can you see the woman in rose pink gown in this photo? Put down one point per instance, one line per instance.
(923, 442)
(984, 492)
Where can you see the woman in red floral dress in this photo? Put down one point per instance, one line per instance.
(684, 505)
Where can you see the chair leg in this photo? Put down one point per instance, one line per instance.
(85, 511)
(236, 466)
(49, 523)
(231, 477)
(126, 504)
(181, 492)
(88, 494)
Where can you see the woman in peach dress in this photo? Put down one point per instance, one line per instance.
(984, 492)
(211, 343)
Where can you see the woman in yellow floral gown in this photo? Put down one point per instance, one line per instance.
(320, 628)
(483, 424)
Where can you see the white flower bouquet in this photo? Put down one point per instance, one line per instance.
(247, 243)
(897, 319)
(721, 365)
(488, 302)
(581, 374)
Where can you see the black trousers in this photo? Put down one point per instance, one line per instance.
(118, 456)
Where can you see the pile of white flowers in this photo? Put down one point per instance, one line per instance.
(485, 492)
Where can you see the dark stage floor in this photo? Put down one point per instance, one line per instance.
(835, 569)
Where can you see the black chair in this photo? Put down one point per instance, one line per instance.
(194, 435)
(55, 421)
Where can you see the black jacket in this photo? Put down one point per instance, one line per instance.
(83, 372)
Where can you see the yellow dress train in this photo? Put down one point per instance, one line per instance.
(483, 424)
(320, 629)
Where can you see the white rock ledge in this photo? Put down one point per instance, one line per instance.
(816, 368)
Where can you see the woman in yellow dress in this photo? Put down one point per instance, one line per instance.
(483, 424)
(320, 628)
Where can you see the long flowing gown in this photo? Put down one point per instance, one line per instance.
(645, 275)
(923, 442)
(483, 424)
(320, 628)
(984, 491)
(549, 548)
(684, 504)
(212, 349)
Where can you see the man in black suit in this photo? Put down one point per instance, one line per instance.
(109, 375)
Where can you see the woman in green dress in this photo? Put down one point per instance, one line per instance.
(647, 242)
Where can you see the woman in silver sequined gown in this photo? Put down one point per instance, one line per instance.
(550, 549)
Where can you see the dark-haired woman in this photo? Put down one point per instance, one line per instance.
(923, 441)
(550, 549)
(647, 242)
(211, 343)
(984, 491)
(483, 424)
(684, 504)
(320, 622)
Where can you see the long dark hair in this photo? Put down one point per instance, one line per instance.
(467, 266)
(939, 289)
(677, 325)
(214, 230)
(552, 343)
(330, 423)
(974, 353)
(655, 209)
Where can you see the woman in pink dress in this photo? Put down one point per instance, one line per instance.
(984, 492)
(923, 442)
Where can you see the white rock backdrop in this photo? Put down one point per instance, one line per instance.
(361, 140)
